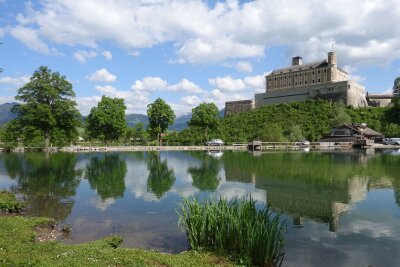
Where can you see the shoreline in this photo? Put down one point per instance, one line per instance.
(275, 147)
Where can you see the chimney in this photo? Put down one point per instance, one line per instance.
(332, 58)
(296, 61)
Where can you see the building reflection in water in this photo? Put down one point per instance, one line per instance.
(316, 186)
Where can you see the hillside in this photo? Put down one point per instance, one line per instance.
(311, 120)
(5, 113)
(132, 119)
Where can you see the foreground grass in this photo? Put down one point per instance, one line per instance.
(239, 227)
(18, 247)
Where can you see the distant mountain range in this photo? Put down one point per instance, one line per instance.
(5, 114)
(131, 119)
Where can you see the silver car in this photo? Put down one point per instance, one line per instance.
(215, 142)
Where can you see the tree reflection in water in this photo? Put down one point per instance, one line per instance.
(161, 178)
(48, 181)
(205, 177)
(107, 175)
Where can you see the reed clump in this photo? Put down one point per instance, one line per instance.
(235, 226)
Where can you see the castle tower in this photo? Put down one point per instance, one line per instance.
(296, 61)
(332, 61)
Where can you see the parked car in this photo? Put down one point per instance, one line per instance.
(396, 141)
(391, 141)
(215, 142)
(387, 141)
(303, 143)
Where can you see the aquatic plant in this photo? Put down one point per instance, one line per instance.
(236, 226)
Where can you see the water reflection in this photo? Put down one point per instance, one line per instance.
(48, 181)
(206, 177)
(317, 186)
(161, 178)
(334, 202)
(106, 175)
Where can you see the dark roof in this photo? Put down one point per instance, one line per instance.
(314, 65)
(366, 130)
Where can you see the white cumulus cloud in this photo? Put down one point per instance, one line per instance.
(227, 83)
(102, 75)
(152, 84)
(107, 55)
(15, 82)
(202, 32)
(82, 55)
(185, 86)
(30, 38)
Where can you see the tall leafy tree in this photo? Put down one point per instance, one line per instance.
(160, 117)
(48, 108)
(205, 116)
(107, 120)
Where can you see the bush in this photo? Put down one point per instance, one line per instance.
(234, 227)
(9, 203)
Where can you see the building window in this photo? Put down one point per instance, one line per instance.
(319, 72)
(324, 70)
(305, 82)
(313, 81)
(319, 80)
(295, 83)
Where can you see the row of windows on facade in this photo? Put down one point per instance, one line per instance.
(296, 83)
(295, 75)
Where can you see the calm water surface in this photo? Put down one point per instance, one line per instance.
(341, 208)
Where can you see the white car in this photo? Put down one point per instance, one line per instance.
(391, 141)
(215, 142)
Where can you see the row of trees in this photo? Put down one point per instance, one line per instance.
(48, 115)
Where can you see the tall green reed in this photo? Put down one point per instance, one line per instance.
(235, 226)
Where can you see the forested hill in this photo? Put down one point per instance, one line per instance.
(310, 119)
(286, 122)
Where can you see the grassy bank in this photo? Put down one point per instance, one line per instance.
(19, 246)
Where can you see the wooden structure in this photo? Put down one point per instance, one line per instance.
(358, 134)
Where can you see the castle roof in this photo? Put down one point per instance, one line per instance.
(322, 63)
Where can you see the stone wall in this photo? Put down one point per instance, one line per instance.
(350, 92)
(235, 107)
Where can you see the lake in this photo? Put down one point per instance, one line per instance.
(341, 208)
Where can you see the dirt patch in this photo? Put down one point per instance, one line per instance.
(50, 232)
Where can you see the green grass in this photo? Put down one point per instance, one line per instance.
(18, 247)
(236, 227)
(8, 202)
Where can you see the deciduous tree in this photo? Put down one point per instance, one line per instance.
(160, 117)
(107, 120)
(205, 116)
(48, 107)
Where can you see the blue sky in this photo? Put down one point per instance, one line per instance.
(188, 52)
